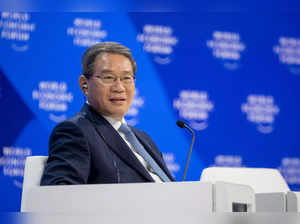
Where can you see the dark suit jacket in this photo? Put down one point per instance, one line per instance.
(86, 149)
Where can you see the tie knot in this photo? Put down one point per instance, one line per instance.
(124, 129)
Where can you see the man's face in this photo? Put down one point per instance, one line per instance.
(114, 99)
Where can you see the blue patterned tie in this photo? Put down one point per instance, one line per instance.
(138, 147)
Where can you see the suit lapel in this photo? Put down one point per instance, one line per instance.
(115, 142)
(155, 155)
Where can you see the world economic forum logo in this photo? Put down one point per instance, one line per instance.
(261, 110)
(227, 47)
(290, 169)
(194, 106)
(288, 51)
(159, 41)
(53, 97)
(16, 28)
(86, 32)
(228, 161)
(13, 163)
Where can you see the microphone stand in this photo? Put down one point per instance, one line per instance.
(190, 151)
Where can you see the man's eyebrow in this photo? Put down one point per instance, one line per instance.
(127, 72)
(106, 71)
(110, 71)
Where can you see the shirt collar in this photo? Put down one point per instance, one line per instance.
(116, 124)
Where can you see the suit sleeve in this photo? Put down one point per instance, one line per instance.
(69, 156)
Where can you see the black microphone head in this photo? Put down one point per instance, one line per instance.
(181, 124)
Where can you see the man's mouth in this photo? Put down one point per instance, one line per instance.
(117, 100)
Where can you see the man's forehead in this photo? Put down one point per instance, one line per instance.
(108, 56)
(112, 61)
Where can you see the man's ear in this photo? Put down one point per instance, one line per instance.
(83, 84)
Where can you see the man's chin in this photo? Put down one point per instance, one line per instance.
(117, 113)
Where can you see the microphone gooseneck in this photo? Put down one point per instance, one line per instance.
(182, 124)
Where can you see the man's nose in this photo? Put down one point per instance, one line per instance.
(118, 85)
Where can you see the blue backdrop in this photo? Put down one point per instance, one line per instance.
(234, 77)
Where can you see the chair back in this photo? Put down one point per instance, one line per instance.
(34, 167)
(262, 180)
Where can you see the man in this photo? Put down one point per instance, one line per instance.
(96, 146)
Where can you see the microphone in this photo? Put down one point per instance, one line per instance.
(182, 124)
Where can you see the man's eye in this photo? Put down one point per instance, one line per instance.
(108, 77)
(127, 78)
